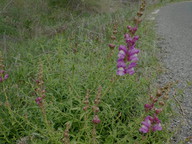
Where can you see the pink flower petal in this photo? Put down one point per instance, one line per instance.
(144, 129)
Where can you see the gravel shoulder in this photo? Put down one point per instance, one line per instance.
(174, 26)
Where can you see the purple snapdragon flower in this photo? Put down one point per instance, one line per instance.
(127, 54)
(146, 124)
(157, 127)
(121, 71)
(150, 124)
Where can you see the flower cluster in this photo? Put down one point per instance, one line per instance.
(155, 106)
(3, 75)
(151, 124)
(128, 53)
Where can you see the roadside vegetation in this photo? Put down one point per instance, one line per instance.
(58, 75)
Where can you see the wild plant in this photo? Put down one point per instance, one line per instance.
(40, 92)
(3, 75)
(155, 107)
(96, 119)
(127, 56)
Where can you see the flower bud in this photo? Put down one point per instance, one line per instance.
(148, 106)
(112, 46)
(129, 27)
(113, 37)
(95, 109)
(85, 108)
(38, 100)
(139, 13)
(86, 102)
(43, 96)
(165, 97)
(155, 100)
(96, 119)
(157, 111)
(142, 8)
(66, 134)
(159, 93)
(137, 20)
(96, 101)
(151, 97)
(161, 103)
(115, 32)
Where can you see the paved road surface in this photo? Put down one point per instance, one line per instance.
(174, 25)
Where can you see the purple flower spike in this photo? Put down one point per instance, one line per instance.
(128, 53)
(150, 124)
(1, 80)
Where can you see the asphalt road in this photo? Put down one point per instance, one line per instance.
(174, 26)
